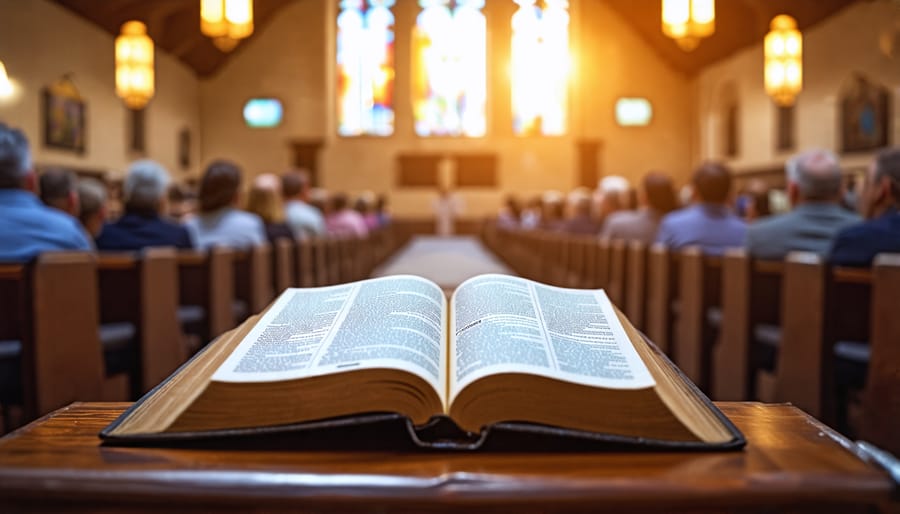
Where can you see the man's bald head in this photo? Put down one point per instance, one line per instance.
(816, 175)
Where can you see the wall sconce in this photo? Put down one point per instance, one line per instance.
(6, 85)
(226, 21)
(134, 65)
(688, 21)
(784, 60)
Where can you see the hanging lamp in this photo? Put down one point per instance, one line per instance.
(688, 21)
(134, 65)
(784, 60)
(226, 21)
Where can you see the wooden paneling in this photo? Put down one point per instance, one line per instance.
(418, 170)
(476, 170)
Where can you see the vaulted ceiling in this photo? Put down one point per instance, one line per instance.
(175, 25)
(739, 24)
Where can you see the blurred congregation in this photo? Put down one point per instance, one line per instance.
(751, 232)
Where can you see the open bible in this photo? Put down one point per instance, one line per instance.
(507, 353)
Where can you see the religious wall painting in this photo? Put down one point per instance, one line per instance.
(184, 148)
(864, 115)
(64, 117)
(785, 116)
(138, 141)
(728, 117)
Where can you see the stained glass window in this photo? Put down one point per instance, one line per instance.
(540, 67)
(449, 84)
(365, 68)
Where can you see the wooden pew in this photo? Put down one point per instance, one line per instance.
(590, 262)
(552, 252)
(320, 260)
(206, 288)
(252, 281)
(333, 260)
(143, 291)
(804, 371)
(534, 249)
(636, 283)
(699, 293)
(348, 248)
(51, 309)
(615, 286)
(306, 263)
(879, 420)
(662, 289)
(750, 329)
(601, 263)
(575, 263)
(283, 265)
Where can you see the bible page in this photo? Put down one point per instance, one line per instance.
(505, 324)
(396, 322)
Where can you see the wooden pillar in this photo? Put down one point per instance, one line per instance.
(306, 156)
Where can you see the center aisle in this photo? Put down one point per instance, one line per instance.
(447, 261)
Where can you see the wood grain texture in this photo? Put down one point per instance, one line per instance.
(791, 461)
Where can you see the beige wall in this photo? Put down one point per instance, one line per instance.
(833, 51)
(292, 59)
(40, 41)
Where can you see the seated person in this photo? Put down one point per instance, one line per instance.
(304, 219)
(264, 200)
(92, 201)
(182, 203)
(658, 199)
(553, 210)
(144, 190)
(510, 214)
(879, 201)
(27, 227)
(754, 203)
(709, 222)
(613, 194)
(219, 222)
(814, 189)
(59, 189)
(580, 222)
(381, 211)
(344, 221)
(365, 206)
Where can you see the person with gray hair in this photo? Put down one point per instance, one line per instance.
(858, 245)
(28, 227)
(145, 191)
(59, 188)
(815, 192)
(92, 200)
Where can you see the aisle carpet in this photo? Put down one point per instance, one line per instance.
(447, 261)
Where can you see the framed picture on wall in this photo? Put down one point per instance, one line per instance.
(64, 117)
(865, 116)
(184, 148)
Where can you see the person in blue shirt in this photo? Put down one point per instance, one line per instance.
(27, 226)
(144, 190)
(219, 222)
(879, 203)
(709, 222)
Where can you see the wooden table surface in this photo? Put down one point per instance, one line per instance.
(57, 464)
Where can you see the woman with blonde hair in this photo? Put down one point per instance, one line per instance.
(264, 200)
